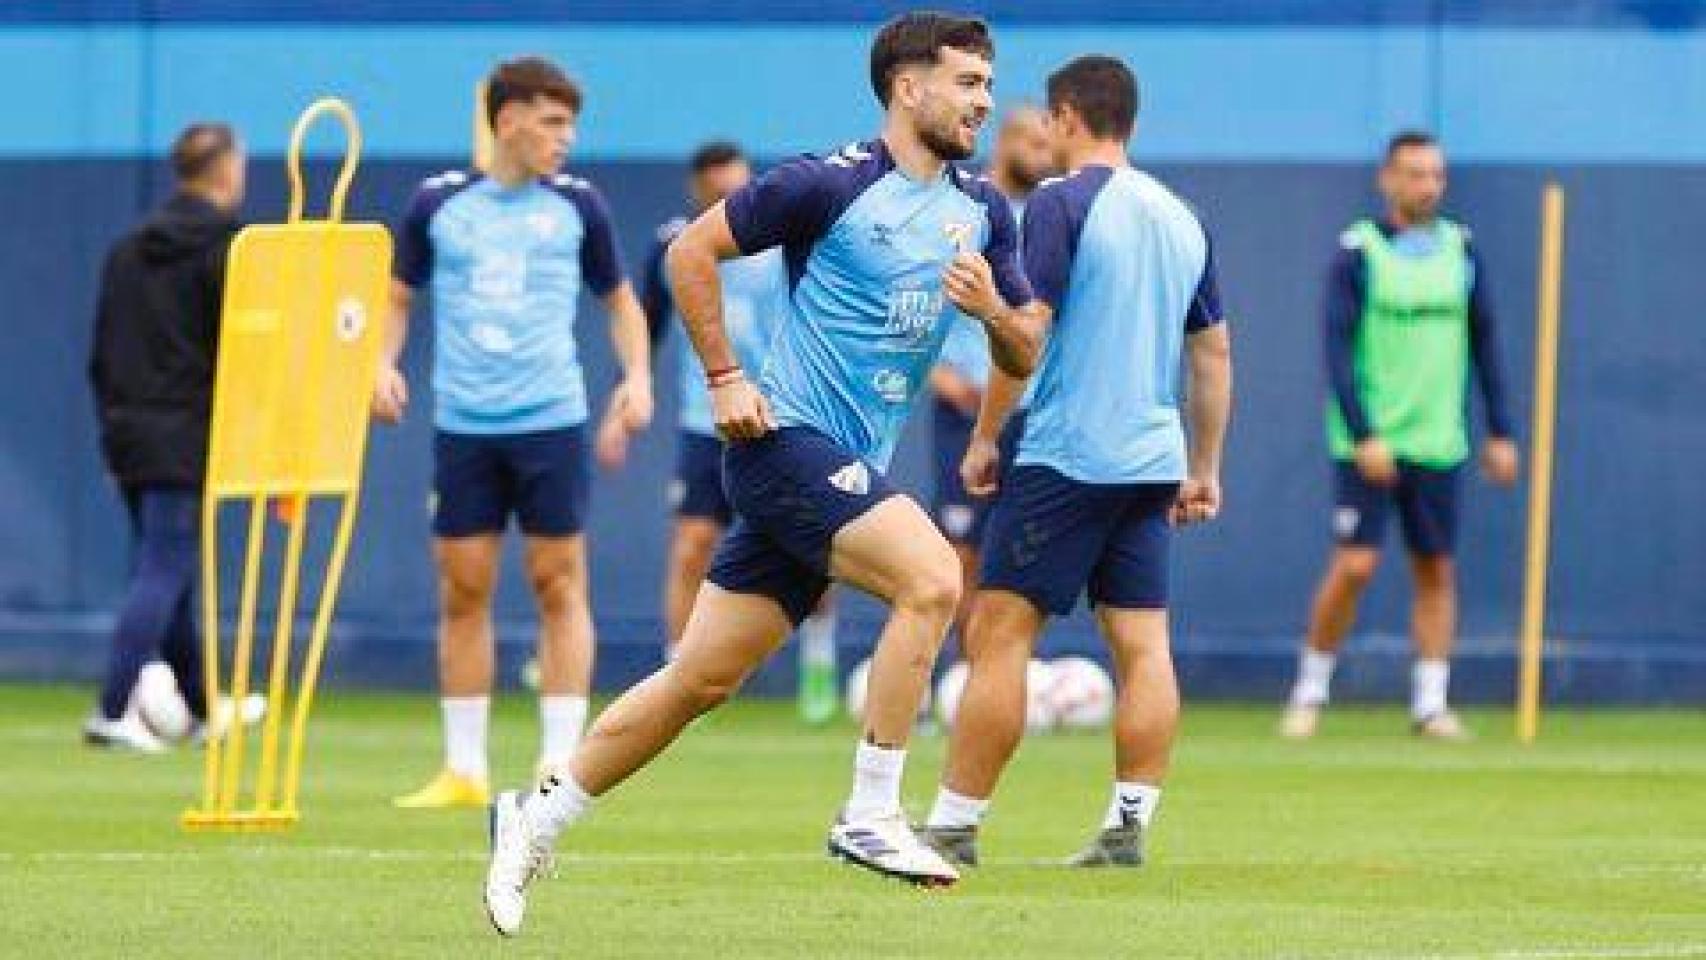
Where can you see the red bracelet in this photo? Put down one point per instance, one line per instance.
(723, 376)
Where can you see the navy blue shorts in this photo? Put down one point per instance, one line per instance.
(698, 488)
(1051, 537)
(1426, 499)
(480, 480)
(792, 491)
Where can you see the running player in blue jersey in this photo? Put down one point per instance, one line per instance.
(755, 303)
(886, 243)
(1104, 469)
(505, 255)
(1021, 159)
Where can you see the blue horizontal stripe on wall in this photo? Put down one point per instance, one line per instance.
(1223, 94)
(1661, 14)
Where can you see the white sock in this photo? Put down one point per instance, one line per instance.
(876, 782)
(561, 720)
(1314, 678)
(1428, 682)
(1132, 801)
(465, 735)
(956, 810)
(817, 640)
(555, 805)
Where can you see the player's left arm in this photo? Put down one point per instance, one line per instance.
(1500, 459)
(991, 286)
(630, 406)
(1208, 401)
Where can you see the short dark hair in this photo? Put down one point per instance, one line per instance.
(199, 147)
(716, 153)
(918, 38)
(523, 79)
(1101, 90)
(1405, 139)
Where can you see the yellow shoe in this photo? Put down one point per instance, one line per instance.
(445, 791)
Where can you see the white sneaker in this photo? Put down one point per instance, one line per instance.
(125, 733)
(888, 845)
(517, 860)
(1300, 721)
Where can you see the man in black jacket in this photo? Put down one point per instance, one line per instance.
(156, 339)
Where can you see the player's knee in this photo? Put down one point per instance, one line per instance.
(693, 546)
(465, 594)
(1357, 567)
(559, 594)
(934, 588)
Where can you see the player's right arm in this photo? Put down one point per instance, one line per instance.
(1344, 315)
(391, 389)
(740, 410)
(790, 206)
(409, 271)
(1208, 399)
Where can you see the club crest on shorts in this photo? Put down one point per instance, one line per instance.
(854, 478)
(1345, 520)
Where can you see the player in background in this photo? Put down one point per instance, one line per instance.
(505, 255)
(885, 242)
(1408, 315)
(755, 301)
(1104, 469)
(1021, 159)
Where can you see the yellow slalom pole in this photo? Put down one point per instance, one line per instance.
(242, 654)
(316, 652)
(482, 140)
(283, 628)
(210, 647)
(1540, 476)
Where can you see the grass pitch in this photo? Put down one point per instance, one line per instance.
(1363, 843)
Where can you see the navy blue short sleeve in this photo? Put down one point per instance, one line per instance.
(1205, 311)
(601, 262)
(412, 264)
(1051, 238)
(655, 297)
(1002, 249)
(790, 205)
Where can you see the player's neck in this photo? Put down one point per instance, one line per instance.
(911, 156)
(1404, 221)
(1010, 188)
(1099, 153)
(507, 171)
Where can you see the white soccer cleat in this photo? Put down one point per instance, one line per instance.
(1300, 721)
(1445, 725)
(127, 733)
(517, 860)
(888, 845)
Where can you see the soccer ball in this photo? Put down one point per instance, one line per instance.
(159, 705)
(859, 679)
(1079, 693)
(1038, 677)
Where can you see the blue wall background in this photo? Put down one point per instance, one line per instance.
(1264, 114)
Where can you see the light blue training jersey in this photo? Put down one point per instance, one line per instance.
(506, 267)
(866, 247)
(1128, 271)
